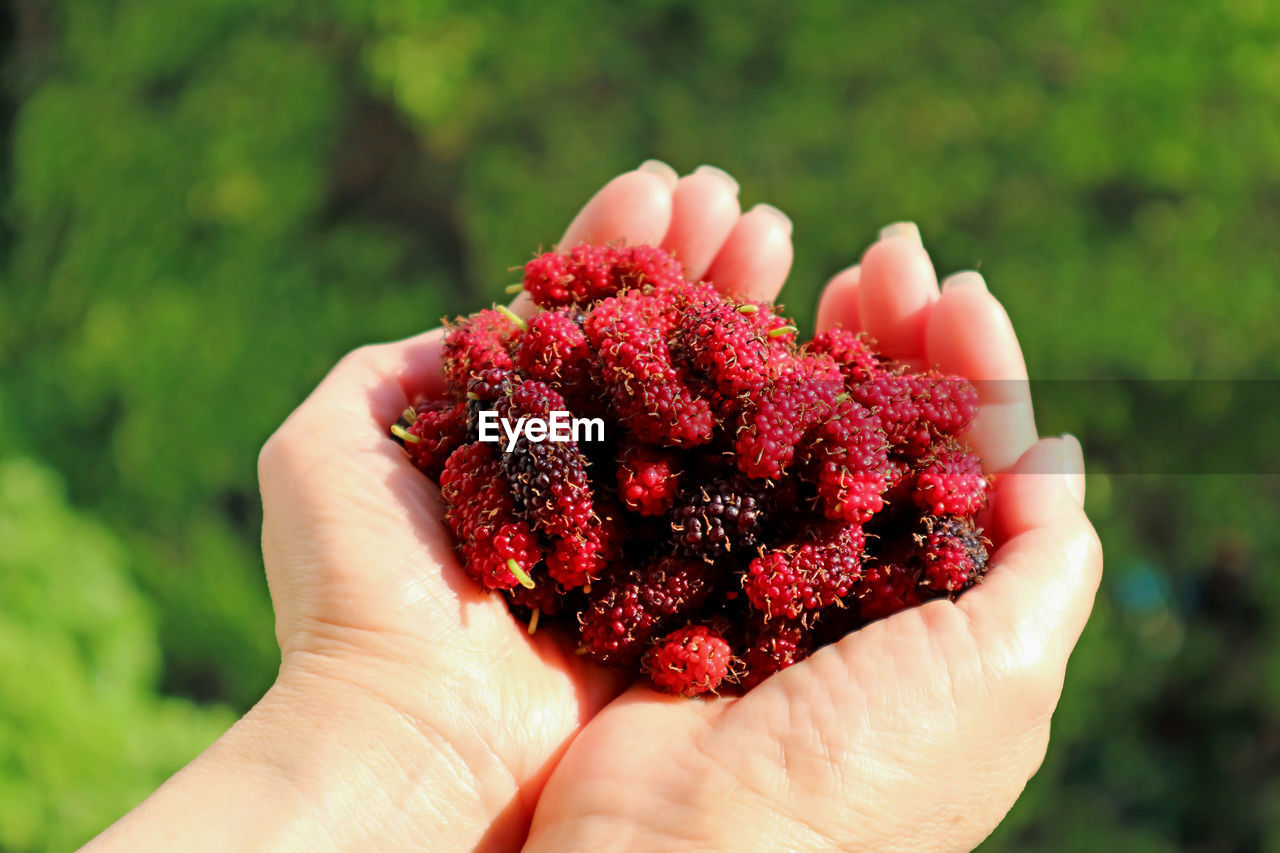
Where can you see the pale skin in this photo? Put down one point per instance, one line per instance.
(411, 711)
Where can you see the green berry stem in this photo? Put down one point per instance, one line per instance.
(782, 330)
(403, 434)
(512, 316)
(515, 288)
(521, 574)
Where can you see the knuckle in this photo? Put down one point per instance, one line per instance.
(360, 358)
(279, 455)
(268, 455)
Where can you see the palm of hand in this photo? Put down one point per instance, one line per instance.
(354, 549)
(369, 594)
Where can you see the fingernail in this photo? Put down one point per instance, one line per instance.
(908, 230)
(1073, 465)
(719, 173)
(770, 210)
(964, 280)
(661, 169)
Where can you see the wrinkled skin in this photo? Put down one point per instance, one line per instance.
(411, 711)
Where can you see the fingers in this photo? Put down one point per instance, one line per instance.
(968, 333)
(897, 288)
(704, 209)
(1029, 611)
(633, 208)
(697, 218)
(754, 261)
(893, 296)
(839, 303)
(668, 175)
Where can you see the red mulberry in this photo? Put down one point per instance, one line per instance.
(802, 396)
(477, 343)
(789, 582)
(589, 273)
(849, 463)
(650, 394)
(952, 483)
(618, 621)
(772, 646)
(918, 409)
(886, 588)
(438, 428)
(852, 351)
(648, 478)
(689, 661)
(952, 553)
(723, 346)
(504, 559)
(555, 351)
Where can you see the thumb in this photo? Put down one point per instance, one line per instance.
(1028, 613)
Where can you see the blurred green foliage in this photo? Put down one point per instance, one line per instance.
(83, 733)
(208, 201)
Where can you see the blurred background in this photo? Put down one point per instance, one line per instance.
(207, 202)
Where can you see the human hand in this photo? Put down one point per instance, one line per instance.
(367, 586)
(916, 732)
(411, 709)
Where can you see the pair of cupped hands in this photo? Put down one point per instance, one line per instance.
(412, 711)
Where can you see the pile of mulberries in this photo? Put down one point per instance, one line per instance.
(750, 498)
